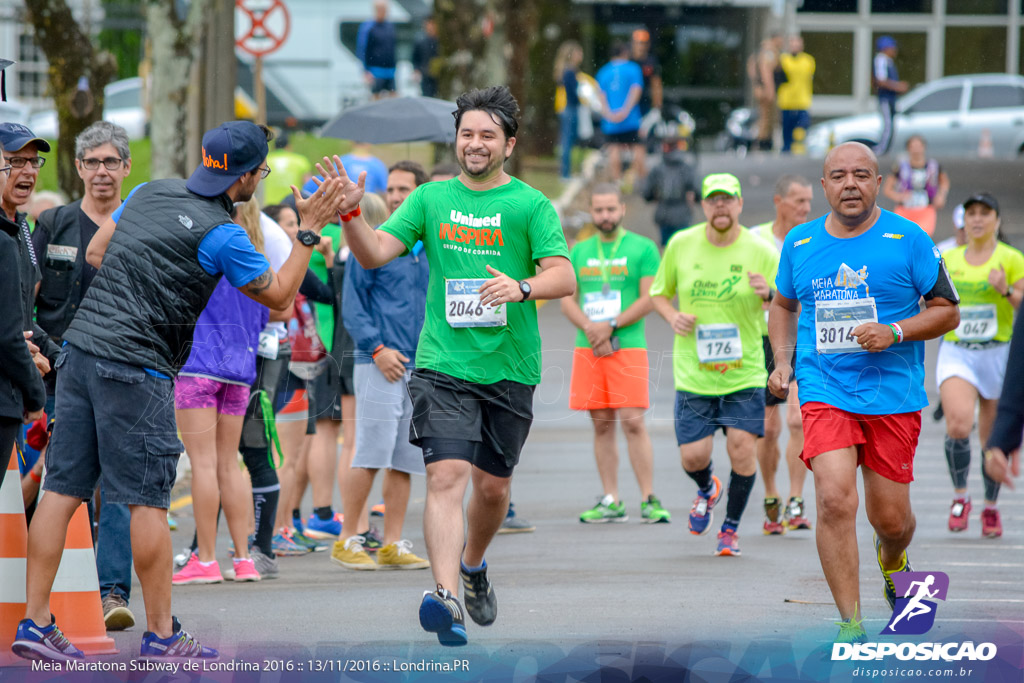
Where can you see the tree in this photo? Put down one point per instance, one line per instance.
(78, 73)
(175, 29)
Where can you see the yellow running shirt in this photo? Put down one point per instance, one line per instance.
(981, 306)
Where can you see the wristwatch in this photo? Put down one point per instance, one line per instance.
(525, 288)
(614, 322)
(308, 238)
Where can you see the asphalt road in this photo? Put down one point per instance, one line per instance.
(632, 599)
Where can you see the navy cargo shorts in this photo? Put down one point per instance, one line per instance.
(114, 421)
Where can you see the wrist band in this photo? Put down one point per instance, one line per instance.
(35, 477)
(376, 351)
(1009, 292)
(346, 217)
(897, 332)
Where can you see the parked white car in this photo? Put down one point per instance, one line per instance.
(123, 106)
(956, 115)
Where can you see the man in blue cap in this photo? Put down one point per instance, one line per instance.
(162, 253)
(888, 86)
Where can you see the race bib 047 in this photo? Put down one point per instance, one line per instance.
(977, 323)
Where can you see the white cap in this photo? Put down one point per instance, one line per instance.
(958, 216)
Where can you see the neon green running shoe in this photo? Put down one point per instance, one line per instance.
(850, 630)
(606, 510)
(653, 513)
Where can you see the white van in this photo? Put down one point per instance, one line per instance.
(316, 73)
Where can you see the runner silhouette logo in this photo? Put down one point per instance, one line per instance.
(916, 592)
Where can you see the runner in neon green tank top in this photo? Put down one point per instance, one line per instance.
(989, 275)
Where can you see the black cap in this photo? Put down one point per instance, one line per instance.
(230, 151)
(982, 198)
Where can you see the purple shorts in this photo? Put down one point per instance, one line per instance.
(203, 392)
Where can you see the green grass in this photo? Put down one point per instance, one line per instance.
(540, 173)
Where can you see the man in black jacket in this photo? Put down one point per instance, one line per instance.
(160, 256)
(21, 150)
(21, 387)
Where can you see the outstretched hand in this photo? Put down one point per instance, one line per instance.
(353, 190)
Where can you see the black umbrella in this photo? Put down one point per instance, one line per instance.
(395, 119)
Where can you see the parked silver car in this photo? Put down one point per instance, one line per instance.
(123, 106)
(959, 116)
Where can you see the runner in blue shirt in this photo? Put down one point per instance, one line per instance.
(858, 273)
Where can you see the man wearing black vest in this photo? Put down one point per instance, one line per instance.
(61, 236)
(173, 241)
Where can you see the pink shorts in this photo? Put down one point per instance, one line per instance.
(203, 392)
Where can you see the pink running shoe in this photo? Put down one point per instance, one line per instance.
(991, 525)
(958, 514)
(245, 570)
(195, 572)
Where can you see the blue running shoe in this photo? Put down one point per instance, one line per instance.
(45, 643)
(305, 541)
(283, 545)
(700, 513)
(179, 647)
(441, 613)
(324, 529)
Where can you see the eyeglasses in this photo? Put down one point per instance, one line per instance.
(720, 198)
(264, 171)
(5, 169)
(19, 162)
(110, 163)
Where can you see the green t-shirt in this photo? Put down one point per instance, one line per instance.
(977, 295)
(286, 169)
(508, 228)
(712, 283)
(634, 258)
(325, 313)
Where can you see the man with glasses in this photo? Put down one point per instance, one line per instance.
(720, 272)
(60, 239)
(21, 153)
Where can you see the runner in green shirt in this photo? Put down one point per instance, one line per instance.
(614, 270)
(495, 246)
(720, 273)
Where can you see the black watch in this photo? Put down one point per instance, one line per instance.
(525, 288)
(308, 237)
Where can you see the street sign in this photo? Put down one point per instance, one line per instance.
(261, 26)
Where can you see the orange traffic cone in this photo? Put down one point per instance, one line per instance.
(75, 598)
(13, 551)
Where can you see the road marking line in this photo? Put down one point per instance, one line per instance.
(180, 503)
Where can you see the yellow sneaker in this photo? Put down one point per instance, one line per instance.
(399, 555)
(350, 554)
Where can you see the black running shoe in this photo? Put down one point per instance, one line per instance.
(481, 602)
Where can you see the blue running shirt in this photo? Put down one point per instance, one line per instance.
(896, 263)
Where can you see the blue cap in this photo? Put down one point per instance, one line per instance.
(14, 136)
(885, 42)
(229, 151)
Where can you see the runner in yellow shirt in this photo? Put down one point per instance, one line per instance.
(972, 359)
(720, 273)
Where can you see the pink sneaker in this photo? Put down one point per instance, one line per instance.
(958, 514)
(195, 572)
(991, 525)
(245, 570)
